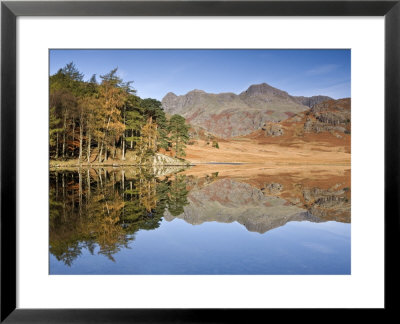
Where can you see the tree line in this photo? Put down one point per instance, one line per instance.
(93, 121)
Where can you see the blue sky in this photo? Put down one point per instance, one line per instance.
(156, 72)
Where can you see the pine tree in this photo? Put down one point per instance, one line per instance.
(179, 134)
(153, 108)
(134, 120)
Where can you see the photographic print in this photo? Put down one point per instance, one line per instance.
(206, 161)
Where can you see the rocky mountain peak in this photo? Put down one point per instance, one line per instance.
(263, 89)
(170, 95)
(196, 91)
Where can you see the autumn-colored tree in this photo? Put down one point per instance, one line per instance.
(112, 97)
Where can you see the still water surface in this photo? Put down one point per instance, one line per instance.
(136, 221)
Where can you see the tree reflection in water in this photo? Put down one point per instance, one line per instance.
(102, 208)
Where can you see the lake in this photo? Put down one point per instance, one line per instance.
(228, 219)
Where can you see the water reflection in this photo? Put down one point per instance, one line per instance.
(101, 210)
(106, 208)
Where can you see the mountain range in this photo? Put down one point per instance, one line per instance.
(229, 115)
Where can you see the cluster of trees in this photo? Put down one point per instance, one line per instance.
(211, 138)
(93, 121)
(100, 210)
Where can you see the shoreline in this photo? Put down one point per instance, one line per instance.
(114, 165)
(53, 165)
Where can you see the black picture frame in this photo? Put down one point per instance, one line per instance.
(10, 10)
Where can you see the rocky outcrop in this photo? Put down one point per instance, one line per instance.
(312, 101)
(331, 115)
(228, 115)
(272, 189)
(273, 129)
(161, 159)
(328, 204)
(163, 165)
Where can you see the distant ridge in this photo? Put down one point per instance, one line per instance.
(312, 101)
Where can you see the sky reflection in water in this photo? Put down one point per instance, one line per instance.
(133, 223)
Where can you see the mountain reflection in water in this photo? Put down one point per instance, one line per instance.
(99, 212)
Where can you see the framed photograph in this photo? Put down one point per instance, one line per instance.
(192, 160)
